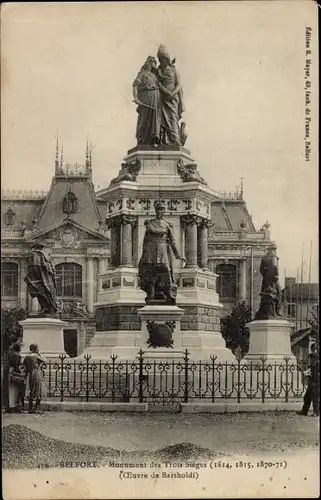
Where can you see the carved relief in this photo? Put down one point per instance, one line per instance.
(160, 334)
(128, 172)
(68, 236)
(130, 204)
(172, 205)
(145, 204)
(188, 204)
(189, 172)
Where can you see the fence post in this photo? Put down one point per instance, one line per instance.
(238, 380)
(113, 359)
(140, 392)
(286, 359)
(186, 359)
(62, 357)
(263, 378)
(87, 358)
(213, 358)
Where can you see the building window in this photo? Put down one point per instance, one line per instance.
(69, 280)
(70, 203)
(226, 281)
(9, 279)
(9, 217)
(291, 310)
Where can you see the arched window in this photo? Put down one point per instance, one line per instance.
(9, 279)
(69, 280)
(9, 217)
(226, 281)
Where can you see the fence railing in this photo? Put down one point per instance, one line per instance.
(145, 380)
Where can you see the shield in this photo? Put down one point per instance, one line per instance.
(68, 237)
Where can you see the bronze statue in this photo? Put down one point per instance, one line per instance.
(41, 281)
(147, 97)
(156, 266)
(159, 97)
(172, 105)
(270, 290)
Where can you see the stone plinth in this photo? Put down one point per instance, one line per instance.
(47, 333)
(167, 318)
(270, 338)
(120, 286)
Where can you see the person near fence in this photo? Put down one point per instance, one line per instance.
(312, 392)
(6, 349)
(35, 388)
(15, 379)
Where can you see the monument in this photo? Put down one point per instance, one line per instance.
(43, 328)
(270, 331)
(158, 292)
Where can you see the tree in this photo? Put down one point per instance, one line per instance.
(233, 328)
(10, 325)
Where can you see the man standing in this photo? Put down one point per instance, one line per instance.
(312, 393)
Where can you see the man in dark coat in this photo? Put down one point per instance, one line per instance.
(312, 393)
(41, 281)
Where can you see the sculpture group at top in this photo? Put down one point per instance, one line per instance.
(158, 94)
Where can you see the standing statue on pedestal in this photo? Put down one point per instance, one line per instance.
(171, 98)
(270, 290)
(156, 266)
(159, 97)
(147, 97)
(41, 281)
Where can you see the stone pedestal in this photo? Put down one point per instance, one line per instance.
(47, 333)
(168, 318)
(270, 338)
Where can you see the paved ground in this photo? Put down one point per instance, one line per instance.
(228, 433)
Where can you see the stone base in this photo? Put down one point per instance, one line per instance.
(270, 338)
(47, 333)
(197, 287)
(120, 286)
(161, 315)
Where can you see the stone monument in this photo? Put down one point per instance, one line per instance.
(158, 213)
(270, 331)
(44, 328)
(160, 317)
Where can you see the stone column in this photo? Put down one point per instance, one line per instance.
(127, 223)
(90, 284)
(190, 222)
(242, 280)
(112, 245)
(204, 244)
(101, 265)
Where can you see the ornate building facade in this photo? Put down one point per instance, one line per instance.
(75, 223)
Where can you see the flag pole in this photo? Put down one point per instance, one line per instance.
(309, 286)
(285, 312)
(297, 300)
(301, 289)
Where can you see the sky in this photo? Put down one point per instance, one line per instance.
(69, 67)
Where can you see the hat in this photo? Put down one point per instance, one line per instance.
(39, 243)
(159, 204)
(163, 52)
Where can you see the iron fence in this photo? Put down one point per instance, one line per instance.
(145, 380)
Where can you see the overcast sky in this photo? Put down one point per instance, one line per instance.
(71, 66)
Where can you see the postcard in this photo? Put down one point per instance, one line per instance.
(159, 250)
